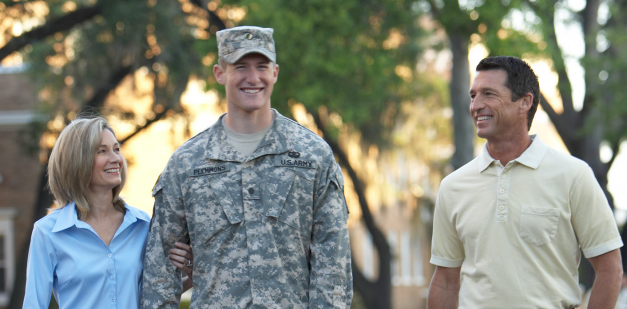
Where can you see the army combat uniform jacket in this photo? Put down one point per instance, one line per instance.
(267, 231)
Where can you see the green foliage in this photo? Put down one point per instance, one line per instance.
(71, 67)
(335, 54)
(606, 84)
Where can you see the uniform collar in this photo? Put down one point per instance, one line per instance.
(531, 157)
(274, 142)
(68, 218)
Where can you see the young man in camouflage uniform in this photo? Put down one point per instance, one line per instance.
(259, 196)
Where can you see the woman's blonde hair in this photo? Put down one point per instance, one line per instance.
(71, 163)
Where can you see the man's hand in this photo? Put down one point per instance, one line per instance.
(608, 269)
(444, 288)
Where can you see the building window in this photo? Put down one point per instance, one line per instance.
(393, 243)
(7, 254)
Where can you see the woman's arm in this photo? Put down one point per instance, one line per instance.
(183, 258)
(42, 260)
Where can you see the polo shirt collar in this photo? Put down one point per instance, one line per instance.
(531, 157)
(68, 218)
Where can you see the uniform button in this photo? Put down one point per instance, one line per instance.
(111, 277)
(251, 191)
(502, 191)
(501, 207)
(110, 255)
(503, 176)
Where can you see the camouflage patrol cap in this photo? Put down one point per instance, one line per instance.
(234, 43)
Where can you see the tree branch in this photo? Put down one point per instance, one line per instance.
(214, 19)
(615, 150)
(50, 27)
(563, 129)
(564, 85)
(97, 100)
(138, 129)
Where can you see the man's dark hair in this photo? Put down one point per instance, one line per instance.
(520, 79)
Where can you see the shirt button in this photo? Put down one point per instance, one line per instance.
(501, 207)
(111, 277)
(503, 176)
(502, 191)
(251, 191)
(110, 255)
(114, 299)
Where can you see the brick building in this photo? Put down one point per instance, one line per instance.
(19, 173)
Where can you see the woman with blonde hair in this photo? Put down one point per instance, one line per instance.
(88, 252)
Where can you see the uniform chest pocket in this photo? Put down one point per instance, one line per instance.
(538, 225)
(211, 207)
(290, 196)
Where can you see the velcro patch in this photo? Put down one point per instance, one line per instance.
(209, 170)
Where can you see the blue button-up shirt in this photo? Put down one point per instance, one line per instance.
(68, 258)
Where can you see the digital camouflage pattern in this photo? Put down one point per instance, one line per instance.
(268, 231)
(234, 43)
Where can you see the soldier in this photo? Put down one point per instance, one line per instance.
(259, 196)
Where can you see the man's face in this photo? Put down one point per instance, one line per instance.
(493, 112)
(248, 82)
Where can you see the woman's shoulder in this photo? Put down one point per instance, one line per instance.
(48, 222)
(138, 213)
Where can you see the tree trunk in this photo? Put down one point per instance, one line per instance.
(377, 294)
(464, 131)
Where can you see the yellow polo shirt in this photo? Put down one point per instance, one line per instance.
(516, 230)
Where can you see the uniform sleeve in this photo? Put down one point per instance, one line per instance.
(42, 261)
(447, 250)
(592, 217)
(161, 284)
(331, 281)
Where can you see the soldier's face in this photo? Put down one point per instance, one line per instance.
(248, 82)
(106, 172)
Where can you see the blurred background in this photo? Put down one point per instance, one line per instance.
(384, 82)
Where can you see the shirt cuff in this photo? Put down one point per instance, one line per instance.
(445, 263)
(605, 248)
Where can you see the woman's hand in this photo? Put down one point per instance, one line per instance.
(183, 258)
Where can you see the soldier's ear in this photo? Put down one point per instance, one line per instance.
(276, 72)
(218, 72)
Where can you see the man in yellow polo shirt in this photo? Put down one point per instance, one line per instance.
(509, 225)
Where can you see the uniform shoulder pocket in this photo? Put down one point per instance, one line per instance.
(157, 187)
(337, 177)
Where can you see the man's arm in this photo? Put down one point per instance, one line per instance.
(444, 288)
(331, 279)
(608, 269)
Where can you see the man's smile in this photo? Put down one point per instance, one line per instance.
(252, 90)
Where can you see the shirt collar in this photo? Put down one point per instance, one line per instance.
(274, 142)
(531, 157)
(68, 218)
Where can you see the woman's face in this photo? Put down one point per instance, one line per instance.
(106, 173)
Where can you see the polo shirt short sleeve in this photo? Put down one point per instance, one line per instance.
(516, 231)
